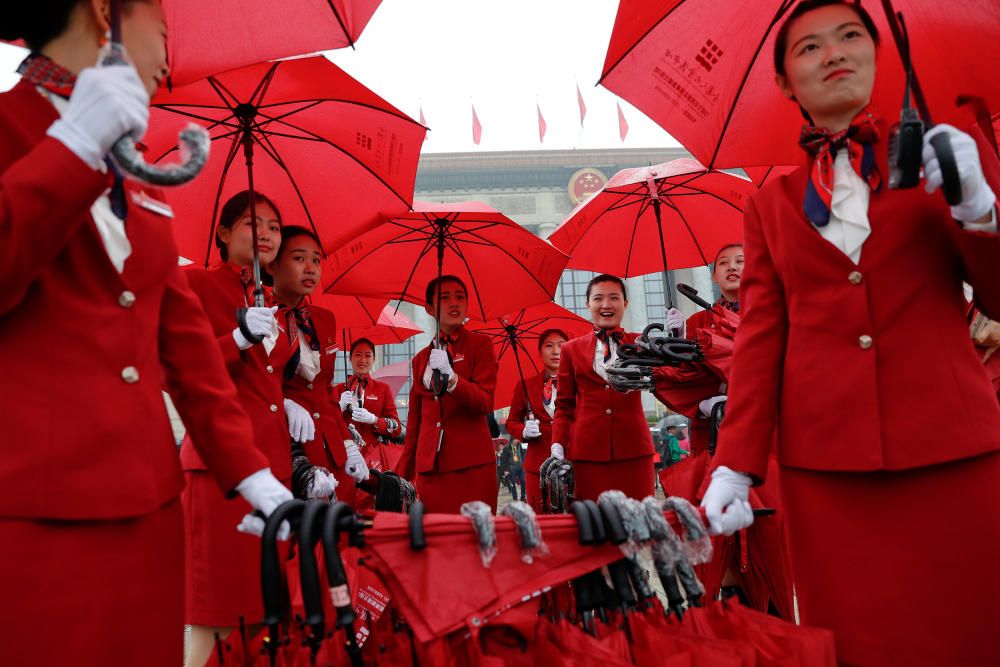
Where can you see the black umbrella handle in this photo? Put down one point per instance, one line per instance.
(692, 294)
(952, 185)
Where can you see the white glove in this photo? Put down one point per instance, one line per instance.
(355, 465)
(362, 416)
(726, 502)
(300, 423)
(675, 320)
(557, 452)
(978, 198)
(531, 429)
(439, 362)
(324, 484)
(264, 493)
(260, 322)
(705, 407)
(106, 104)
(347, 399)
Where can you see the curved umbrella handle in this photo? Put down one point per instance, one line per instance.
(312, 590)
(270, 572)
(952, 185)
(194, 144)
(335, 574)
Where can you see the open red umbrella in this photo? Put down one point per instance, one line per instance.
(329, 152)
(704, 72)
(515, 341)
(395, 375)
(648, 219)
(211, 37)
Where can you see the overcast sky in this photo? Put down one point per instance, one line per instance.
(504, 56)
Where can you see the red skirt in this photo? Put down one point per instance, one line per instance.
(222, 564)
(900, 565)
(634, 477)
(445, 492)
(93, 592)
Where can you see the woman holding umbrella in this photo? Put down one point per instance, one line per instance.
(95, 318)
(889, 531)
(603, 432)
(532, 414)
(448, 450)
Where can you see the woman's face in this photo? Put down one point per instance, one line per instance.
(551, 351)
(829, 63)
(606, 304)
(298, 270)
(144, 33)
(454, 304)
(362, 360)
(239, 237)
(729, 269)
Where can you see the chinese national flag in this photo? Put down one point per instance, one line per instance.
(579, 102)
(423, 121)
(622, 124)
(541, 124)
(477, 129)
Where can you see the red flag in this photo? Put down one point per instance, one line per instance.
(541, 124)
(477, 129)
(579, 102)
(423, 121)
(622, 124)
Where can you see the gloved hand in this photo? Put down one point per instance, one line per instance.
(264, 493)
(301, 426)
(261, 323)
(355, 465)
(675, 321)
(557, 451)
(106, 104)
(439, 362)
(978, 198)
(705, 407)
(323, 485)
(531, 428)
(347, 399)
(362, 416)
(726, 501)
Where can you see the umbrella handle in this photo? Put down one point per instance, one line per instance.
(692, 294)
(418, 539)
(952, 185)
(194, 142)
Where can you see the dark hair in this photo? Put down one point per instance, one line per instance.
(607, 278)
(38, 22)
(433, 285)
(548, 332)
(362, 341)
(292, 231)
(806, 6)
(722, 250)
(233, 209)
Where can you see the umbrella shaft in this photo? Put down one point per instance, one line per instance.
(668, 293)
(258, 289)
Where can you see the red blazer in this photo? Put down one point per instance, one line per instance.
(451, 433)
(379, 401)
(86, 350)
(538, 448)
(256, 374)
(844, 364)
(593, 421)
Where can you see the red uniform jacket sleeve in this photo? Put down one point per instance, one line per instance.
(759, 355)
(408, 461)
(565, 399)
(518, 413)
(201, 390)
(388, 405)
(476, 393)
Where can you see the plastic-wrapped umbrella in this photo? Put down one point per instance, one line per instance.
(650, 219)
(503, 265)
(515, 341)
(330, 153)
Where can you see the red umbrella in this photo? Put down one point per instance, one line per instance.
(641, 215)
(329, 152)
(703, 70)
(515, 341)
(211, 37)
(395, 375)
(760, 176)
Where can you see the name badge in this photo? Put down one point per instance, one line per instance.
(143, 200)
(458, 358)
(331, 350)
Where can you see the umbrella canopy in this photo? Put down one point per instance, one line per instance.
(357, 318)
(669, 216)
(329, 152)
(704, 71)
(395, 375)
(515, 342)
(504, 266)
(211, 37)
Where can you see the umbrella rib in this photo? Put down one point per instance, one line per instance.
(233, 148)
(226, 96)
(545, 290)
(472, 277)
(257, 97)
(690, 231)
(340, 22)
(220, 137)
(354, 103)
(631, 241)
(608, 71)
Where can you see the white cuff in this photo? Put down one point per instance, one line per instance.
(241, 341)
(988, 226)
(81, 145)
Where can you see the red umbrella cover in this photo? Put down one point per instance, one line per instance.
(704, 71)
(211, 37)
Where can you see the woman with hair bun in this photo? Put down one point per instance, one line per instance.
(96, 317)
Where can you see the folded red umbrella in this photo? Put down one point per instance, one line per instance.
(657, 641)
(648, 219)
(211, 37)
(330, 153)
(704, 72)
(515, 342)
